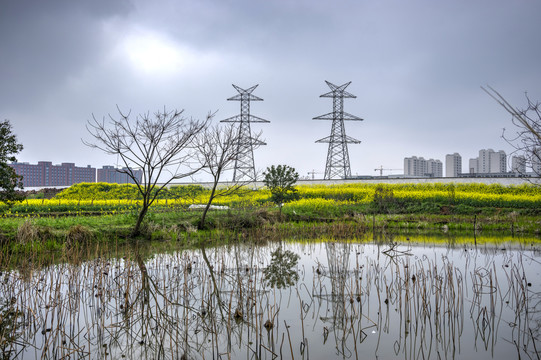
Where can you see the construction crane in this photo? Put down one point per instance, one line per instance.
(314, 172)
(381, 169)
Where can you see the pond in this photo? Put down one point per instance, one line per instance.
(295, 300)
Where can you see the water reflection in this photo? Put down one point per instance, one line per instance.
(290, 300)
(281, 271)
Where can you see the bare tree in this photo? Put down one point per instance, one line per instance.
(217, 148)
(527, 139)
(159, 145)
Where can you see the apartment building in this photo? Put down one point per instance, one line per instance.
(110, 174)
(536, 161)
(473, 166)
(434, 168)
(414, 166)
(498, 162)
(489, 162)
(44, 173)
(518, 164)
(453, 165)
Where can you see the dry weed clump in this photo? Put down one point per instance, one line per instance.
(184, 226)
(78, 234)
(27, 232)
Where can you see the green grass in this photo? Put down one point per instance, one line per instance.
(335, 211)
(182, 225)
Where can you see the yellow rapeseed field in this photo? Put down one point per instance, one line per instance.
(320, 198)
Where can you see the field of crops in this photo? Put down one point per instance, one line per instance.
(318, 199)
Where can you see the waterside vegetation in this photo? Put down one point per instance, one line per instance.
(108, 211)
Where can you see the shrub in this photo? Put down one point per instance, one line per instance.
(78, 234)
(27, 232)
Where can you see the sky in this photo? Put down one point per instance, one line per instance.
(416, 67)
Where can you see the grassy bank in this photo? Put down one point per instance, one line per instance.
(57, 233)
(107, 212)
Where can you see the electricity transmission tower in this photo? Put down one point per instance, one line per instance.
(338, 260)
(338, 156)
(244, 169)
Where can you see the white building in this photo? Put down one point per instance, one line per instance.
(489, 161)
(483, 161)
(498, 162)
(453, 165)
(434, 168)
(414, 166)
(518, 164)
(473, 166)
(536, 161)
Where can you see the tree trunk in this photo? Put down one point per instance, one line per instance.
(211, 272)
(202, 222)
(137, 229)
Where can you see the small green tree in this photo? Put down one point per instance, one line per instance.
(9, 180)
(280, 180)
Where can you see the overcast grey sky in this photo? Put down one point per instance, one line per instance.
(415, 66)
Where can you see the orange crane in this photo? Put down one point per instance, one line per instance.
(381, 169)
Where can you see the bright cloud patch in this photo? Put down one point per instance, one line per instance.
(151, 53)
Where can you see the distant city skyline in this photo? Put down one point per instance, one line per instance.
(416, 68)
(489, 162)
(47, 174)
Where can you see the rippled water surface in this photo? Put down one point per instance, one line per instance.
(318, 300)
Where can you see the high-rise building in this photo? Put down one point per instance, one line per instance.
(498, 162)
(518, 164)
(536, 161)
(489, 162)
(434, 168)
(414, 166)
(473, 166)
(484, 161)
(44, 173)
(453, 165)
(110, 174)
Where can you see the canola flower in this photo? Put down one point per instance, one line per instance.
(115, 198)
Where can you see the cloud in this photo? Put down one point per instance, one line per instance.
(44, 43)
(415, 67)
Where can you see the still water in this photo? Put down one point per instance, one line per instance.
(293, 300)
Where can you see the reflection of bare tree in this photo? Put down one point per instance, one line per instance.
(217, 303)
(525, 305)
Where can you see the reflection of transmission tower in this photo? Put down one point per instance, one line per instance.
(338, 260)
(338, 156)
(244, 164)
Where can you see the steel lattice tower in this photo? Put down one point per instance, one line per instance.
(338, 260)
(244, 164)
(338, 156)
